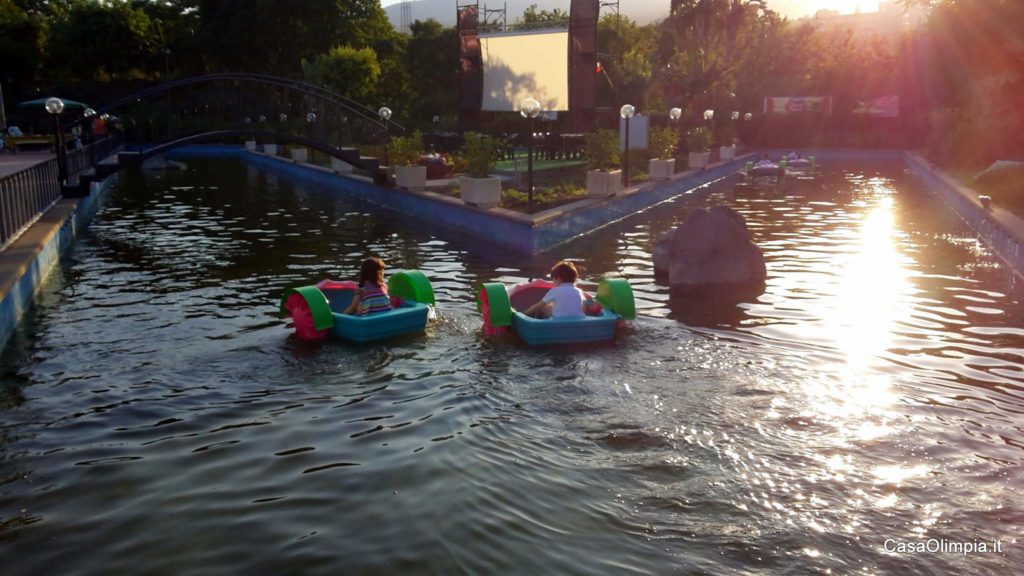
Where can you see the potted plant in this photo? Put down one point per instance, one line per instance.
(404, 153)
(698, 142)
(300, 154)
(604, 178)
(727, 140)
(478, 188)
(662, 147)
(250, 145)
(270, 149)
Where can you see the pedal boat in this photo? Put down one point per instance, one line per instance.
(315, 311)
(502, 310)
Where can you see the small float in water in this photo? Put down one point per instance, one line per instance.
(764, 168)
(316, 311)
(502, 311)
(796, 162)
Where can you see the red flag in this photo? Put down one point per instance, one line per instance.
(599, 69)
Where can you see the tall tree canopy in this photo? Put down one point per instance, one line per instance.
(94, 39)
(21, 44)
(259, 35)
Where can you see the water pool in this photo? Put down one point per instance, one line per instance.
(155, 416)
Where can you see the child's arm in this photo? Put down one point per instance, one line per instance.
(353, 305)
(537, 308)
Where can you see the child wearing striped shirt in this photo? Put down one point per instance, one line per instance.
(372, 295)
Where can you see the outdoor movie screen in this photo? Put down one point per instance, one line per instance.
(523, 65)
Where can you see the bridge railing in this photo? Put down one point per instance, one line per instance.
(25, 196)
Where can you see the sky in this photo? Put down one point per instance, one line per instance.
(791, 8)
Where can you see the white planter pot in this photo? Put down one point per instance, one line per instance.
(300, 154)
(250, 145)
(411, 177)
(699, 159)
(601, 184)
(727, 152)
(340, 166)
(662, 169)
(270, 149)
(482, 192)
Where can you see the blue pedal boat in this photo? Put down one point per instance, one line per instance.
(316, 310)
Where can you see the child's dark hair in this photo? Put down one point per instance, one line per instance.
(564, 271)
(371, 270)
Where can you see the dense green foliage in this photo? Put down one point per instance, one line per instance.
(959, 77)
(698, 140)
(346, 70)
(602, 150)
(405, 150)
(662, 143)
(480, 152)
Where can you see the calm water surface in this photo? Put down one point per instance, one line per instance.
(156, 417)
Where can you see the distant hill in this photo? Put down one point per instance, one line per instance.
(444, 10)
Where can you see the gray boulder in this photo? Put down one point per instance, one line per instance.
(711, 255)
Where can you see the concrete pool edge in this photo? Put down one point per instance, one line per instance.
(28, 262)
(997, 227)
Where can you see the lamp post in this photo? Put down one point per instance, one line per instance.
(529, 108)
(89, 114)
(55, 106)
(310, 119)
(385, 115)
(627, 111)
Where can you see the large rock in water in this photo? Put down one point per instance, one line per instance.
(711, 255)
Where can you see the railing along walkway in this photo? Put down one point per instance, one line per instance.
(27, 193)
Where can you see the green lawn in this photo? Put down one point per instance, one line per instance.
(538, 164)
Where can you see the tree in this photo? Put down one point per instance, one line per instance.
(628, 60)
(258, 36)
(96, 39)
(703, 42)
(534, 16)
(176, 45)
(432, 65)
(351, 72)
(21, 43)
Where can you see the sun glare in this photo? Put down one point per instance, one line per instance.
(841, 6)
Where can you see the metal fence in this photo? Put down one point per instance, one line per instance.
(25, 196)
(87, 156)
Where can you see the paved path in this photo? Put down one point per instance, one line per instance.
(11, 163)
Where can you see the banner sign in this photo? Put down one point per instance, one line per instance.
(882, 107)
(796, 104)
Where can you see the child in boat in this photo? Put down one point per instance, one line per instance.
(372, 295)
(565, 300)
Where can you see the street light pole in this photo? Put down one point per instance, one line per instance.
(529, 109)
(55, 106)
(3, 113)
(385, 115)
(627, 111)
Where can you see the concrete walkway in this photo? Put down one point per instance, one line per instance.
(11, 163)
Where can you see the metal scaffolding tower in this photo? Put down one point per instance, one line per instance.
(406, 17)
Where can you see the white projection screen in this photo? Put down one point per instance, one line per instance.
(525, 65)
